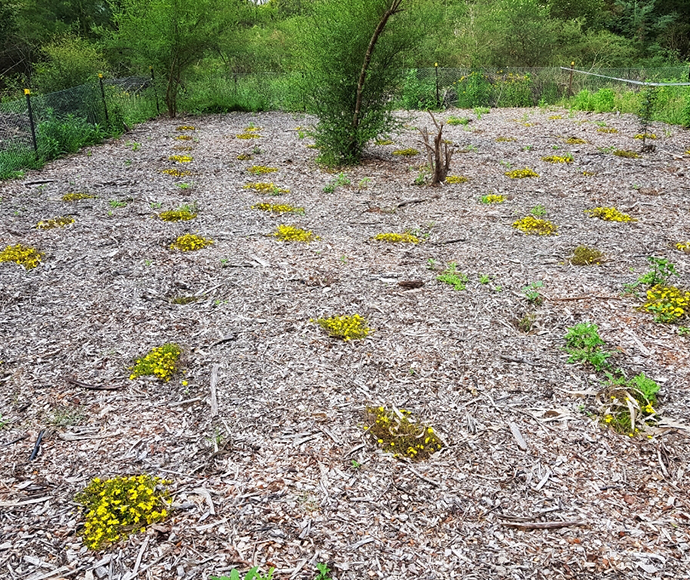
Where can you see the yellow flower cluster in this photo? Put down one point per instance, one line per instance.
(278, 208)
(645, 136)
(160, 362)
(557, 159)
(118, 507)
(77, 196)
(181, 158)
(58, 222)
(23, 255)
(246, 135)
(456, 179)
(410, 152)
(555, 117)
(575, 141)
(190, 242)
(244, 157)
(177, 215)
(405, 238)
(269, 188)
(627, 154)
(397, 432)
(533, 225)
(293, 234)
(384, 142)
(183, 138)
(492, 198)
(505, 139)
(261, 169)
(683, 246)
(667, 303)
(176, 172)
(609, 214)
(345, 327)
(186, 128)
(521, 173)
(607, 130)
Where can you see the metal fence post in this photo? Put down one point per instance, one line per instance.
(27, 92)
(570, 83)
(155, 92)
(105, 106)
(438, 104)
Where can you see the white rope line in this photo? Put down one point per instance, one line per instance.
(645, 83)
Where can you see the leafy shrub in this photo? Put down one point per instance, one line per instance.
(70, 61)
(474, 90)
(118, 507)
(418, 94)
(345, 327)
(603, 100)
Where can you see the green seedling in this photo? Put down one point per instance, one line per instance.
(431, 264)
(323, 572)
(479, 111)
(451, 276)
(684, 331)
(156, 205)
(116, 203)
(355, 464)
(484, 278)
(252, 574)
(532, 294)
(364, 182)
(538, 211)
(583, 344)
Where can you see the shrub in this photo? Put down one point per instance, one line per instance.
(70, 61)
(603, 100)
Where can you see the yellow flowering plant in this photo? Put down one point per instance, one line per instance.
(398, 432)
(532, 225)
(609, 214)
(261, 169)
(456, 179)
(77, 196)
(161, 362)
(521, 173)
(23, 255)
(345, 327)
(393, 238)
(190, 243)
(293, 234)
(409, 152)
(278, 208)
(58, 222)
(120, 506)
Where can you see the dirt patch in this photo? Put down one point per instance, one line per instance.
(283, 474)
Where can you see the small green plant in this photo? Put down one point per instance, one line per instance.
(176, 172)
(160, 362)
(479, 111)
(329, 188)
(507, 164)
(457, 121)
(431, 264)
(382, 142)
(244, 157)
(538, 211)
(492, 198)
(349, 327)
(583, 344)
(607, 149)
(26, 256)
(659, 275)
(451, 276)
(532, 225)
(301, 134)
(58, 222)
(469, 149)
(118, 507)
(392, 238)
(134, 146)
(527, 148)
(252, 574)
(609, 214)
(364, 183)
(531, 292)
(190, 243)
(398, 432)
(584, 256)
(116, 203)
(183, 185)
(575, 141)
(629, 403)
(684, 331)
(155, 205)
(293, 234)
(521, 173)
(323, 570)
(484, 278)
(526, 323)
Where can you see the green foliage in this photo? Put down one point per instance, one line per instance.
(69, 61)
(668, 303)
(322, 569)
(531, 292)
(418, 94)
(659, 275)
(583, 344)
(252, 574)
(451, 276)
(348, 85)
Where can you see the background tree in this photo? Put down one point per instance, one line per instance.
(171, 35)
(352, 61)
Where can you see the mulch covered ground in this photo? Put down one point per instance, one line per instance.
(276, 469)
